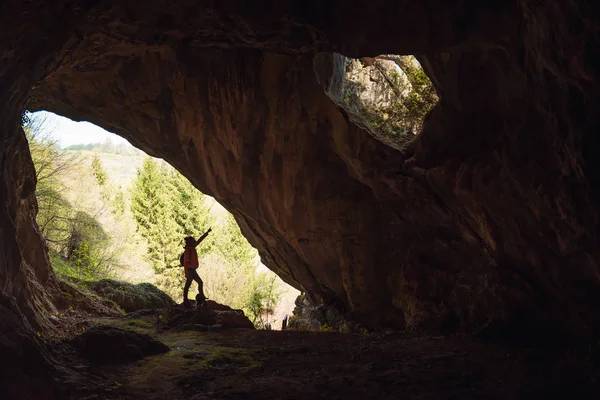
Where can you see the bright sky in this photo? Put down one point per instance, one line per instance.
(68, 132)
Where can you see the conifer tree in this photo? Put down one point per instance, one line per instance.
(191, 210)
(234, 247)
(98, 170)
(152, 208)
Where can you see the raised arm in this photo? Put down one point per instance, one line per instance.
(203, 236)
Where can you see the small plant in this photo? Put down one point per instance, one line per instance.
(344, 328)
(396, 80)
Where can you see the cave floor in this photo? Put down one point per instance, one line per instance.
(244, 364)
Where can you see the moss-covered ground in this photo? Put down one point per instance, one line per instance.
(253, 364)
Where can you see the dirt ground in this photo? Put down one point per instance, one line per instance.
(249, 364)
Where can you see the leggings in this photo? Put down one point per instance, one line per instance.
(193, 276)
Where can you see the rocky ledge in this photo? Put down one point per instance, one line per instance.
(105, 344)
(209, 316)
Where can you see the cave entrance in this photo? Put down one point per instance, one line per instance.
(244, 125)
(114, 220)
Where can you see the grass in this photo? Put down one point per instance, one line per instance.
(65, 269)
(193, 357)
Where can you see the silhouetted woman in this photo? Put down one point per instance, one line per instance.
(190, 264)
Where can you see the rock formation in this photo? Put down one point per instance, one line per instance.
(489, 217)
(26, 366)
(209, 316)
(130, 297)
(105, 344)
(380, 97)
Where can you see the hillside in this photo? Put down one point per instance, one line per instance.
(121, 168)
(121, 165)
(131, 263)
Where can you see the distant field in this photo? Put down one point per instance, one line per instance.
(121, 168)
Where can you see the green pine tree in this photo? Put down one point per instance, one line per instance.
(191, 210)
(98, 170)
(152, 208)
(234, 247)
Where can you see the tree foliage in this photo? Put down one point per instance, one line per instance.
(73, 234)
(388, 95)
(98, 170)
(233, 276)
(422, 97)
(154, 211)
(106, 147)
(233, 246)
(168, 207)
(93, 227)
(191, 210)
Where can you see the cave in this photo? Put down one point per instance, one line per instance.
(486, 222)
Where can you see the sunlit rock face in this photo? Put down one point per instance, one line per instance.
(379, 96)
(488, 218)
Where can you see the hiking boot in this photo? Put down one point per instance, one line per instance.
(187, 303)
(200, 300)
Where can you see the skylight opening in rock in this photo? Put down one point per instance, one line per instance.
(388, 95)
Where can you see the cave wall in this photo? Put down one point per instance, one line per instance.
(313, 198)
(27, 282)
(489, 216)
(290, 190)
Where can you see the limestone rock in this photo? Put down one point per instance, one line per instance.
(132, 297)
(27, 368)
(375, 96)
(211, 315)
(104, 344)
(70, 296)
(308, 317)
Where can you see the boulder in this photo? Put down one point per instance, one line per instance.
(377, 94)
(209, 316)
(70, 295)
(132, 297)
(104, 344)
